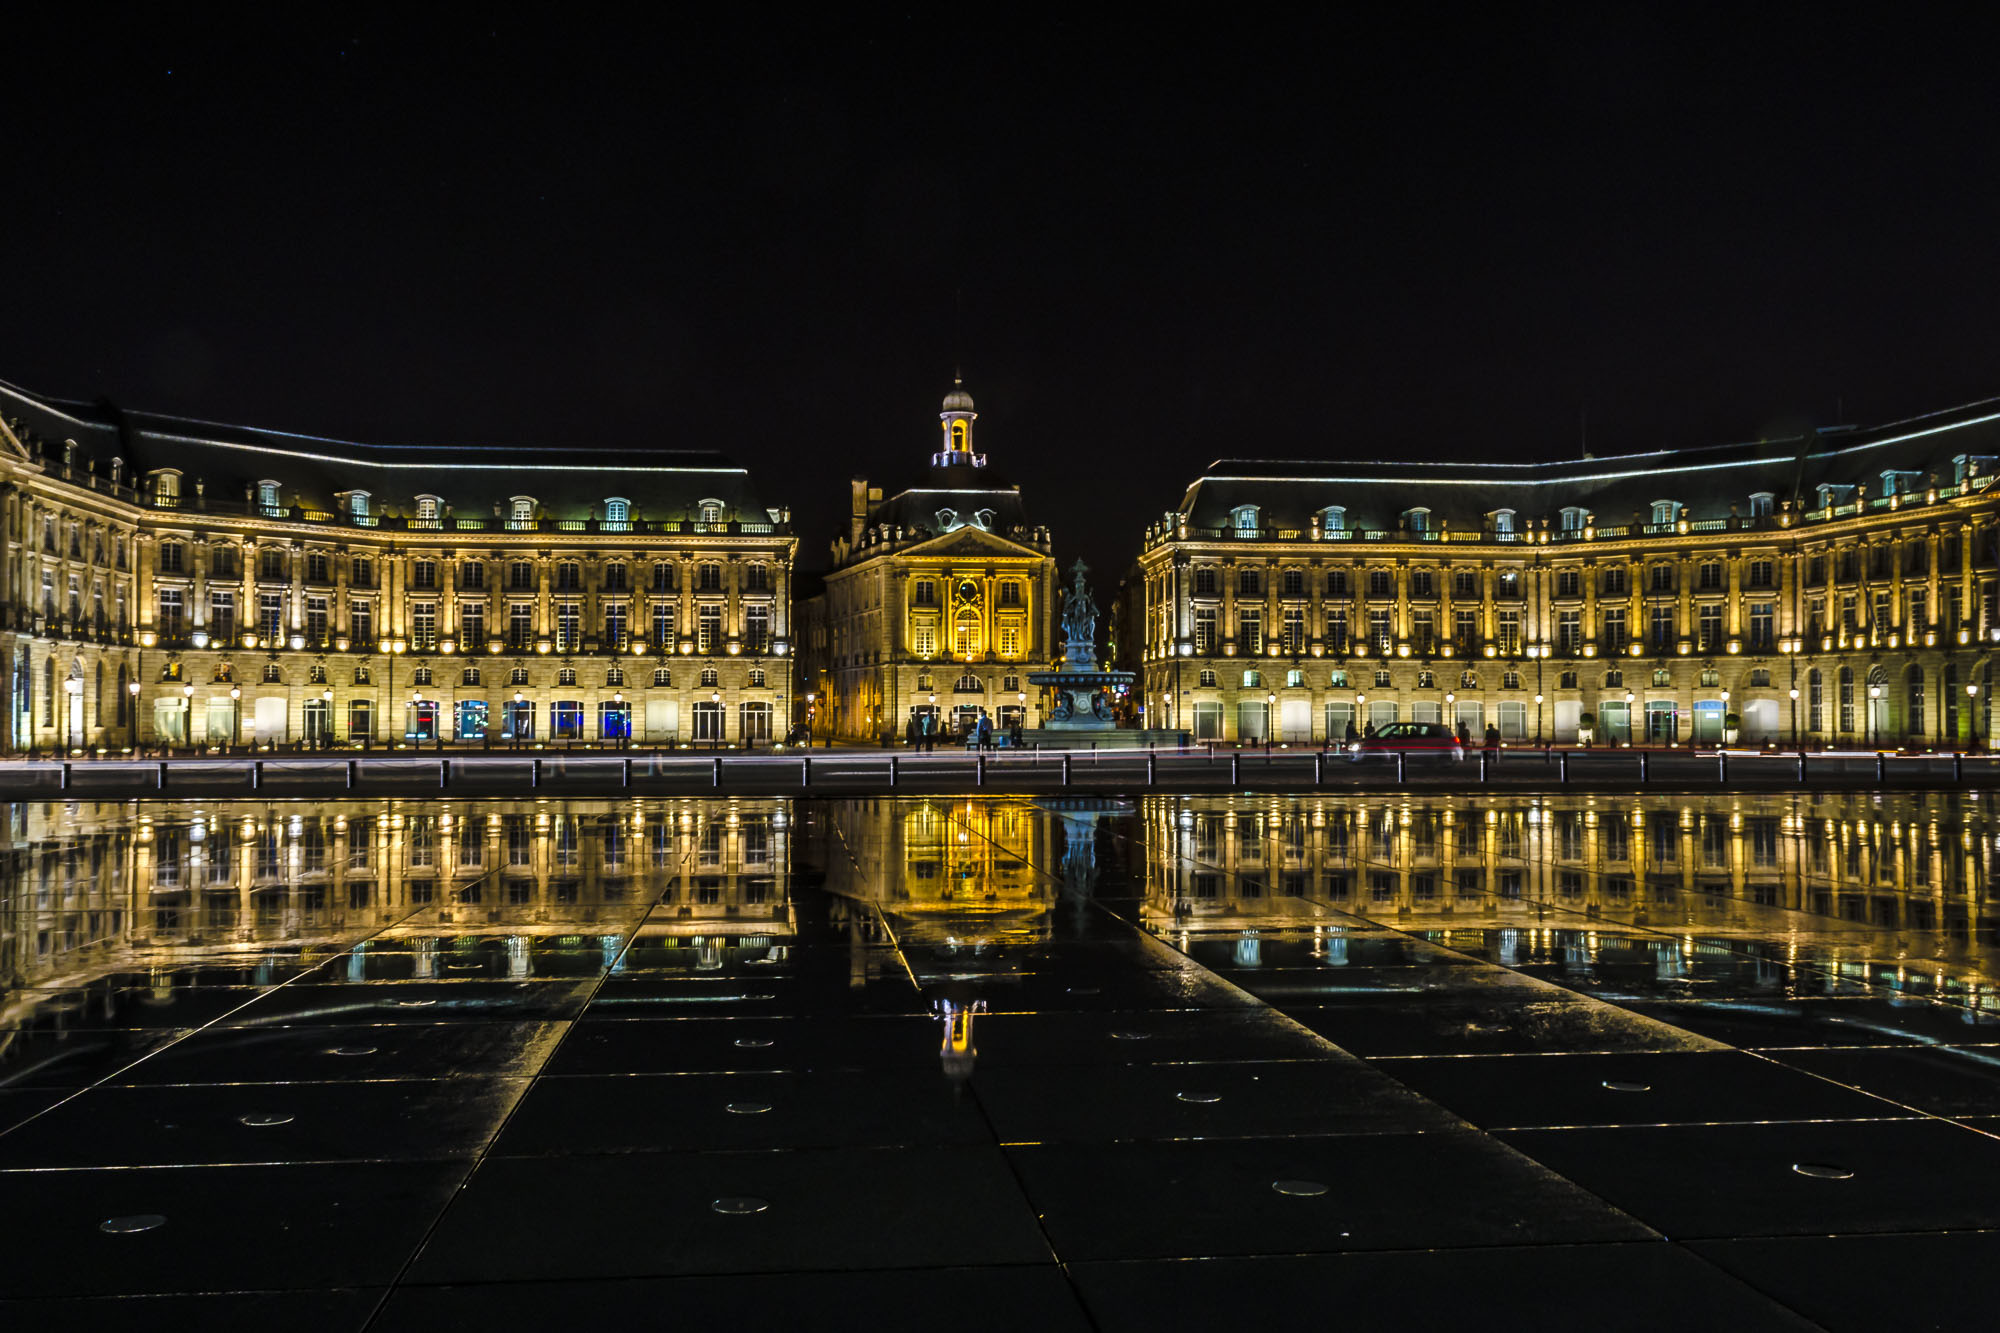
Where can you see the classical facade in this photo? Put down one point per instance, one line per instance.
(1833, 589)
(940, 599)
(185, 584)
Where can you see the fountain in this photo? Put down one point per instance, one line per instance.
(1082, 710)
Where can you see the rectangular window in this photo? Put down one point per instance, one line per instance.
(1614, 637)
(1661, 633)
(1761, 622)
(1010, 638)
(1423, 631)
(708, 717)
(472, 625)
(708, 628)
(1295, 630)
(1204, 630)
(271, 616)
(1569, 633)
(423, 574)
(569, 626)
(316, 613)
(520, 626)
(1378, 631)
(222, 615)
(663, 624)
(173, 614)
(1465, 630)
(615, 624)
(923, 637)
(423, 626)
(1709, 620)
(1509, 625)
(1249, 632)
(566, 719)
(756, 629)
(361, 623)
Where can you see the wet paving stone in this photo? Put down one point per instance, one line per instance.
(1943, 1080)
(1210, 1100)
(649, 1215)
(76, 1058)
(1754, 1024)
(1707, 1181)
(1431, 1289)
(265, 1123)
(1527, 1091)
(1499, 1022)
(211, 1312)
(707, 1112)
(1146, 1037)
(1857, 1284)
(227, 1228)
(704, 1045)
(1165, 1200)
(966, 1300)
(415, 1002)
(325, 1054)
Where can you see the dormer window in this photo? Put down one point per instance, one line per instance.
(1333, 518)
(521, 509)
(167, 484)
(1899, 482)
(1243, 519)
(357, 504)
(618, 511)
(1503, 523)
(267, 496)
(710, 511)
(1830, 494)
(1417, 520)
(1573, 518)
(1665, 511)
(427, 509)
(1761, 503)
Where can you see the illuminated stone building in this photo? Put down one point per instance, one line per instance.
(940, 598)
(1837, 588)
(181, 583)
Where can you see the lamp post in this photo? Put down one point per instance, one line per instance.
(73, 687)
(415, 729)
(618, 707)
(187, 715)
(235, 716)
(324, 741)
(1797, 743)
(715, 738)
(514, 722)
(395, 647)
(810, 712)
(1360, 717)
(1270, 719)
(1630, 699)
(1874, 693)
(1972, 716)
(132, 688)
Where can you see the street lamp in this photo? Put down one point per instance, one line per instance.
(715, 738)
(1270, 718)
(187, 714)
(1797, 743)
(514, 723)
(1630, 730)
(235, 715)
(71, 731)
(132, 688)
(1538, 719)
(1972, 716)
(324, 741)
(1874, 693)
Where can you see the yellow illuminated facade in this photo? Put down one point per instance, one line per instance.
(940, 600)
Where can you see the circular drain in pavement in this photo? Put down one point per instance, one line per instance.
(1202, 1098)
(1626, 1085)
(124, 1226)
(1822, 1171)
(753, 1043)
(739, 1206)
(1131, 1036)
(747, 1108)
(265, 1119)
(413, 1004)
(1083, 990)
(1302, 1189)
(352, 1050)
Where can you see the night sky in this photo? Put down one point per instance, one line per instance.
(1170, 239)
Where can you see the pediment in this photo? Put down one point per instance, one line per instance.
(969, 541)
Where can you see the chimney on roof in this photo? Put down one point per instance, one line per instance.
(857, 512)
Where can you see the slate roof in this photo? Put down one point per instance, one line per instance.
(567, 481)
(1705, 481)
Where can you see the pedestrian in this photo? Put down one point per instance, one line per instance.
(1014, 734)
(910, 732)
(924, 734)
(1464, 735)
(985, 739)
(1352, 735)
(1493, 742)
(1368, 732)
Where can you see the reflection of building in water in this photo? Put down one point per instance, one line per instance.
(957, 880)
(1897, 861)
(90, 885)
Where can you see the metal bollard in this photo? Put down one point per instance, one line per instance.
(350, 774)
(1065, 771)
(717, 775)
(1562, 768)
(1802, 768)
(1881, 767)
(1402, 768)
(805, 770)
(625, 772)
(256, 774)
(534, 772)
(65, 776)
(1645, 768)
(1236, 769)
(979, 771)
(893, 765)
(1484, 768)
(1722, 766)
(1319, 769)
(444, 774)
(1957, 767)
(1152, 769)
(162, 784)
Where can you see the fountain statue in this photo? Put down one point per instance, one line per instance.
(1082, 692)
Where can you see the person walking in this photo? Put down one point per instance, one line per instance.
(911, 731)
(1493, 742)
(985, 731)
(1464, 735)
(926, 733)
(1352, 735)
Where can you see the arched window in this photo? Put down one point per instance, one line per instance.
(521, 509)
(710, 511)
(757, 676)
(1333, 518)
(1665, 511)
(1572, 519)
(1760, 504)
(965, 634)
(1417, 520)
(1503, 523)
(709, 676)
(958, 435)
(357, 503)
(662, 676)
(361, 675)
(1243, 518)
(969, 684)
(1468, 680)
(470, 676)
(427, 509)
(1815, 701)
(267, 496)
(617, 511)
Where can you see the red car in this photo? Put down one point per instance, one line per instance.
(1413, 738)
